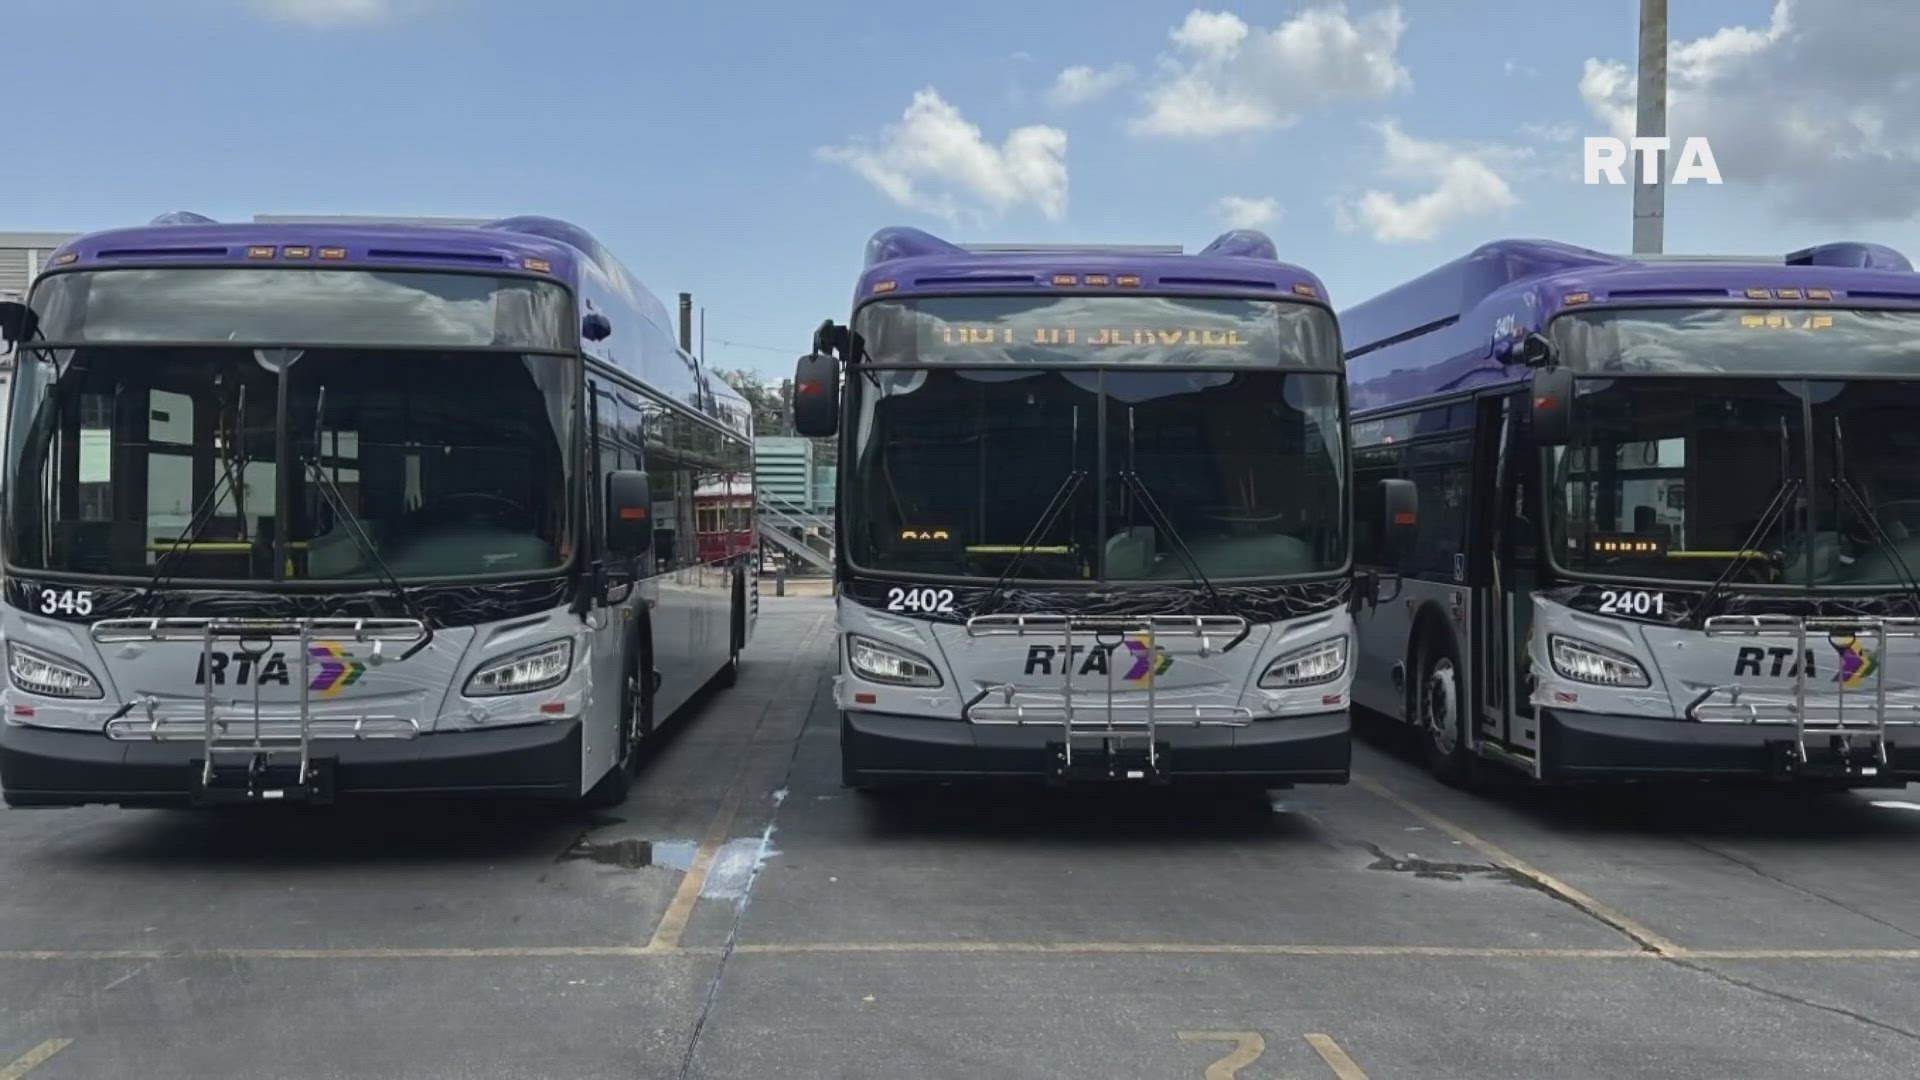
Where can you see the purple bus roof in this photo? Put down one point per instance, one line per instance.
(904, 261)
(190, 239)
(1436, 334)
(528, 245)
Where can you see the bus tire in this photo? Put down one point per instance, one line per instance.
(736, 624)
(1440, 712)
(636, 725)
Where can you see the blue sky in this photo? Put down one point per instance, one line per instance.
(745, 151)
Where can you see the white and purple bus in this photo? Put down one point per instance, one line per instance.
(1669, 513)
(1092, 515)
(300, 511)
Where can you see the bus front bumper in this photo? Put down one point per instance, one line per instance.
(884, 748)
(47, 767)
(1597, 746)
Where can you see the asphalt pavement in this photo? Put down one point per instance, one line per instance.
(743, 916)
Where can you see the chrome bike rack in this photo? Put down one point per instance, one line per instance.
(1105, 720)
(265, 733)
(1841, 718)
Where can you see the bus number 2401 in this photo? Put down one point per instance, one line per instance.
(1632, 602)
(920, 600)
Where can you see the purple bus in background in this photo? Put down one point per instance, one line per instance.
(1669, 513)
(1092, 514)
(298, 510)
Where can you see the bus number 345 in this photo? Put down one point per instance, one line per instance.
(1632, 602)
(919, 599)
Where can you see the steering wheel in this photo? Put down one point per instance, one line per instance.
(1910, 519)
(474, 506)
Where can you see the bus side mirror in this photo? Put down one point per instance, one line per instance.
(629, 525)
(17, 321)
(1551, 404)
(816, 396)
(1535, 350)
(1399, 521)
(595, 327)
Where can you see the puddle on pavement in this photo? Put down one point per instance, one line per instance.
(728, 876)
(632, 853)
(1441, 871)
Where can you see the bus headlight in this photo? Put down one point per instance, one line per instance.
(1583, 661)
(889, 664)
(523, 672)
(39, 673)
(1321, 662)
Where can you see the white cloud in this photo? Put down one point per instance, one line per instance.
(1081, 84)
(936, 161)
(1224, 77)
(1815, 107)
(331, 12)
(1558, 131)
(1464, 185)
(1241, 212)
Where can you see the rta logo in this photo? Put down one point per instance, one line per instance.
(1094, 659)
(241, 667)
(1605, 156)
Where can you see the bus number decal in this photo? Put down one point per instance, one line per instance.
(1632, 602)
(920, 600)
(66, 601)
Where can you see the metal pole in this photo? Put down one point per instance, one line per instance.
(1650, 200)
(686, 323)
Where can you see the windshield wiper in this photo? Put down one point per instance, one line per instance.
(1776, 508)
(203, 513)
(1165, 524)
(1872, 521)
(324, 483)
(1062, 497)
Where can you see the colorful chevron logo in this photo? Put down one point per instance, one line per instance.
(1145, 665)
(337, 669)
(1856, 663)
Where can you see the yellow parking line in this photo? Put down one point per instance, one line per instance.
(28, 1061)
(953, 948)
(1176, 948)
(1336, 1058)
(673, 922)
(1650, 940)
(1247, 1048)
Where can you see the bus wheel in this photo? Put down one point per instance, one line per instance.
(736, 629)
(636, 724)
(1442, 715)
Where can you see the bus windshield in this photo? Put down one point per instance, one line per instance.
(453, 462)
(1672, 478)
(954, 470)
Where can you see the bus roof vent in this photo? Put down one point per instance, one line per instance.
(1075, 249)
(905, 242)
(1244, 244)
(1851, 253)
(1645, 257)
(182, 217)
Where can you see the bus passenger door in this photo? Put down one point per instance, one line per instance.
(1503, 547)
(1491, 644)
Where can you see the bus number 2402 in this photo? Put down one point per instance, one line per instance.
(920, 600)
(1632, 602)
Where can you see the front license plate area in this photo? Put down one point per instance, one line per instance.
(271, 780)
